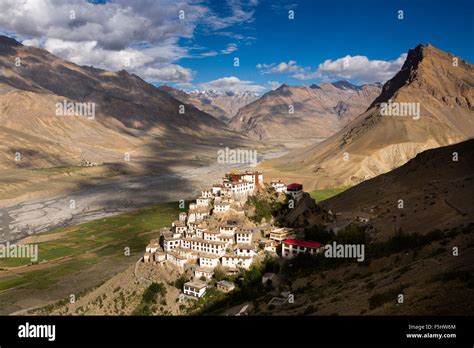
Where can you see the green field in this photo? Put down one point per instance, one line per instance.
(60, 169)
(78, 248)
(321, 195)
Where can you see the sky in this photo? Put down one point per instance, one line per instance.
(196, 44)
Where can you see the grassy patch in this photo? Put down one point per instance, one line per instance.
(86, 244)
(45, 278)
(321, 195)
(12, 282)
(60, 169)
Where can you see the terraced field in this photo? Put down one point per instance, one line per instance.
(321, 195)
(75, 258)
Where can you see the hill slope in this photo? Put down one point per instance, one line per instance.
(374, 143)
(130, 114)
(318, 111)
(436, 193)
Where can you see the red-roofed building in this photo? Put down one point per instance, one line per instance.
(295, 190)
(294, 186)
(292, 247)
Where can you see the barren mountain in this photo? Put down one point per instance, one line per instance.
(203, 105)
(435, 190)
(222, 105)
(131, 116)
(391, 131)
(230, 102)
(294, 112)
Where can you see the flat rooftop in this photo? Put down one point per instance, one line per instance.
(197, 284)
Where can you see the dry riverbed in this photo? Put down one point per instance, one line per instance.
(97, 197)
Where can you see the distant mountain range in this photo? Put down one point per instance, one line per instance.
(131, 115)
(222, 105)
(295, 112)
(365, 136)
(429, 103)
(135, 117)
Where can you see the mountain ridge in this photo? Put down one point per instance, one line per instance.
(314, 114)
(221, 104)
(373, 143)
(132, 116)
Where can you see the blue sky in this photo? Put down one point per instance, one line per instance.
(361, 41)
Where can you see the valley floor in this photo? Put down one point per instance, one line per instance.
(77, 258)
(67, 196)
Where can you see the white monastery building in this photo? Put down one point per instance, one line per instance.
(279, 186)
(292, 247)
(195, 288)
(197, 242)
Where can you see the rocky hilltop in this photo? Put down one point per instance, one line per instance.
(427, 104)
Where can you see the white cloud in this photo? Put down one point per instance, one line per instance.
(120, 34)
(139, 62)
(233, 84)
(274, 84)
(263, 66)
(112, 25)
(289, 67)
(238, 13)
(358, 68)
(207, 54)
(281, 68)
(282, 7)
(33, 42)
(169, 73)
(88, 53)
(184, 85)
(229, 49)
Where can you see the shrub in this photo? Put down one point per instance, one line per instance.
(383, 297)
(142, 310)
(319, 234)
(353, 234)
(252, 277)
(264, 208)
(179, 283)
(149, 295)
(219, 273)
(269, 264)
